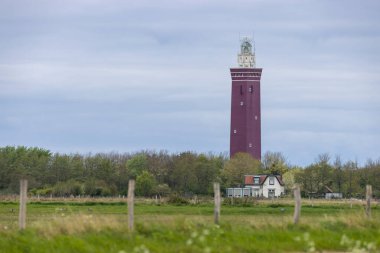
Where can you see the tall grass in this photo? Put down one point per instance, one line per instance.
(264, 226)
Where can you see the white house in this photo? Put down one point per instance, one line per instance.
(267, 186)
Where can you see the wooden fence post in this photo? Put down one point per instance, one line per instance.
(368, 200)
(297, 205)
(131, 197)
(217, 203)
(23, 199)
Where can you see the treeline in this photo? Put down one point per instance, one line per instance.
(162, 173)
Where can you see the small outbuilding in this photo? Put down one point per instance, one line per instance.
(330, 194)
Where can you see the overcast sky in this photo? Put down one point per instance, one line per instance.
(99, 76)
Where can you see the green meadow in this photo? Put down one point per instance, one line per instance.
(257, 226)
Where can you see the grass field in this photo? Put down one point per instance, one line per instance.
(264, 226)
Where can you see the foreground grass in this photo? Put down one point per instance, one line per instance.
(265, 227)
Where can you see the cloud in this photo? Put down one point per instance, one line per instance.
(100, 76)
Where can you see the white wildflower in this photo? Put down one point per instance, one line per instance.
(207, 250)
(206, 232)
(194, 234)
(345, 240)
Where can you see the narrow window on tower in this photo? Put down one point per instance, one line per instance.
(241, 89)
(250, 145)
(241, 103)
(255, 117)
(251, 89)
(235, 131)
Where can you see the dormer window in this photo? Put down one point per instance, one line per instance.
(256, 180)
(271, 180)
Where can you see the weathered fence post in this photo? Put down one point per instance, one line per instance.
(23, 199)
(368, 200)
(131, 197)
(217, 203)
(297, 205)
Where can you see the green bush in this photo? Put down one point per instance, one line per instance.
(178, 200)
(239, 201)
(70, 187)
(44, 192)
(145, 184)
(93, 187)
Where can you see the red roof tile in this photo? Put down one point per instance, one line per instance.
(248, 179)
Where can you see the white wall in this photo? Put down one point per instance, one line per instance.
(278, 189)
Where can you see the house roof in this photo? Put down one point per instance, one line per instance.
(279, 178)
(328, 189)
(248, 179)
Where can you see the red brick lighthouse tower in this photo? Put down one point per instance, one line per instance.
(245, 135)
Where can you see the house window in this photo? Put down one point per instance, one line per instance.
(271, 180)
(256, 180)
(246, 192)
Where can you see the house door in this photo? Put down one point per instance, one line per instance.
(271, 193)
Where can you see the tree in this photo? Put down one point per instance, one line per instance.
(274, 163)
(308, 180)
(289, 178)
(323, 171)
(137, 164)
(351, 187)
(158, 164)
(372, 169)
(59, 170)
(182, 173)
(338, 176)
(22, 162)
(238, 166)
(145, 184)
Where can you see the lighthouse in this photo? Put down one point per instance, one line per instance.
(245, 131)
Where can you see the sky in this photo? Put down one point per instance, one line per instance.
(124, 76)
